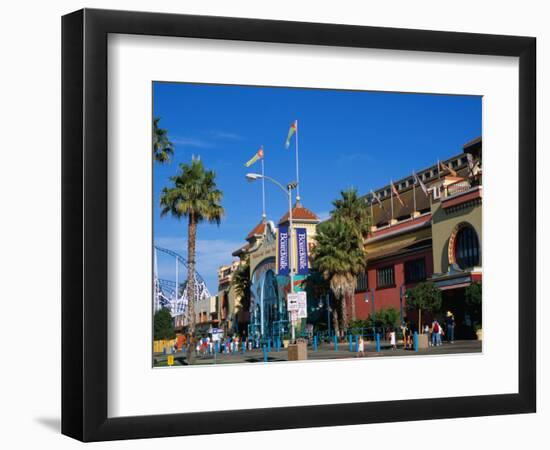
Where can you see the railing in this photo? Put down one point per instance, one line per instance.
(457, 188)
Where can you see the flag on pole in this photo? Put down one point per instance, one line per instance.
(473, 166)
(422, 185)
(394, 190)
(259, 155)
(376, 197)
(470, 163)
(448, 168)
(291, 131)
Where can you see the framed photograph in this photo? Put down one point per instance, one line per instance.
(273, 225)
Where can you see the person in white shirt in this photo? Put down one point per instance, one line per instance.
(361, 346)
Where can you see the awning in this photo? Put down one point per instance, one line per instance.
(399, 248)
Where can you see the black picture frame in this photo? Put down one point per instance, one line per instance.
(84, 224)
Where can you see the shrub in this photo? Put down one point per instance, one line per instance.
(163, 325)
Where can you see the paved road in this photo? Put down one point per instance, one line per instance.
(324, 351)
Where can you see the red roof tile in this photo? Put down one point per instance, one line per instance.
(242, 250)
(300, 213)
(258, 230)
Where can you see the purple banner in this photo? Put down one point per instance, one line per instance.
(301, 243)
(283, 251)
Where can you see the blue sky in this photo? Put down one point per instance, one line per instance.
(346, 138)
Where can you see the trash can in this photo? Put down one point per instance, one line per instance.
(297, 351)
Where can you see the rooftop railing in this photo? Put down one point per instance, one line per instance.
(457, 188)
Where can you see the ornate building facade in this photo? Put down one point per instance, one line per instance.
(268, 316)
(432, 232)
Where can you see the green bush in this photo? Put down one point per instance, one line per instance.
(163, 325)
(386, 317)
(472, 295)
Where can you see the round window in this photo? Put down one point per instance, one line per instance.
(467, 248)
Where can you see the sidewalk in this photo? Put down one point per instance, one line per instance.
(324, 352)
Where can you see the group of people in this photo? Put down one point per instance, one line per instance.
(436, 331)
(391, 336)
(408, 330)
(207, 345)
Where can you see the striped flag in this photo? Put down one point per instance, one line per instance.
(259, 155)
(394, 190)
(422, 185)
(473, 166)
(448, 168)
(291, 133)
(376, 197)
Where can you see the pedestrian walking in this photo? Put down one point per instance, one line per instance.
(435, 332)
(407, 335)
(450, 325)
(392, 340)
(361, 346)
(439, 335)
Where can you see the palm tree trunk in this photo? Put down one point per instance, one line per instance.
(335, 323)
(344, 312)
(191, 242)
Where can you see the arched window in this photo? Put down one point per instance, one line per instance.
(467, 248)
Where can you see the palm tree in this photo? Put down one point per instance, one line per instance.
(241, 283)
(353, 209)
(163, 148)
(339, 256)
(194, 195)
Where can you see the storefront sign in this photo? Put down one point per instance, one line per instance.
(301, 244)
(292, 302)
(283, 251)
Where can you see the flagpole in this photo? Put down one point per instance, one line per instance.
(414, 192)
(297, 171)
(263, 189)
(391, 197)
(371, 213)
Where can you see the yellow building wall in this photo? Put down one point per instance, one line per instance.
(443, 225)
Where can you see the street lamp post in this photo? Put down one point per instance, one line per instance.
(288, 192)
(328, 314)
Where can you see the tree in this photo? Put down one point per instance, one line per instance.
(473, 294)
(339, 256)
(163, 148)
(193, 195)
(353, 209)
(390, 317)
(163, 325)
(423, 297)
(241, 283)
(385, 317)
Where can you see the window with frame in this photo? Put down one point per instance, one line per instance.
(467, 248)
(362, 282)
(415, 270)
(385, 277)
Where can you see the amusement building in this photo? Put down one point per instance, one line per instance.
(425, 227)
